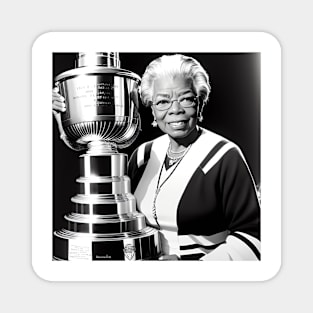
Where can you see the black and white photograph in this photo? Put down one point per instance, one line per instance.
(156, 156)
(166, 156)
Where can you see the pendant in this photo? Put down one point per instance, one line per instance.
(172, 161)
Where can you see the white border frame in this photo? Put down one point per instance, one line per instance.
(207, 42)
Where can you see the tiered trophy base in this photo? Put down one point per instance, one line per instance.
(104, 223)
(127, 246)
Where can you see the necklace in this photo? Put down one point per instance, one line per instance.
(170, 151)
(179, 154)
(159, 186)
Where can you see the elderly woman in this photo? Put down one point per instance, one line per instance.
(192, 184)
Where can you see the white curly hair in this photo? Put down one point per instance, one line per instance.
(172, 66)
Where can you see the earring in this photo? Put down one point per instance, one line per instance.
(200, 117)
(200, 109)
(154, 123)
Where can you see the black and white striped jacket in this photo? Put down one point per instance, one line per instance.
(218, 212)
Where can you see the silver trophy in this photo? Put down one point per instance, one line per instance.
(102, 115)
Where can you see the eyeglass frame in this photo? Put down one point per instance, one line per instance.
(171, 101)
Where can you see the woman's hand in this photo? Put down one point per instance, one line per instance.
(58, 106)
(58, 102)
(169, 257)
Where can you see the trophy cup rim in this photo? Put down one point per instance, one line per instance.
(95, 70)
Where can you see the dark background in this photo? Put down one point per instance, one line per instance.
(233, 111)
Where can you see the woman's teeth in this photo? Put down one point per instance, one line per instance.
(176, 124)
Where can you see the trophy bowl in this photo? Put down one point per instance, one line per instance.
(101, 101)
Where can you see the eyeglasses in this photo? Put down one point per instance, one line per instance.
(165, 104)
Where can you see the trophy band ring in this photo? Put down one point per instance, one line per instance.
(102, 115)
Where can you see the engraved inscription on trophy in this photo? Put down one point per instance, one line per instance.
(79, 250)
(100, 93)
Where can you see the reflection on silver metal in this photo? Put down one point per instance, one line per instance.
(108, 59)
(102, 114)
(101, 100)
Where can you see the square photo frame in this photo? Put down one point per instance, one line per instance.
(244, 107)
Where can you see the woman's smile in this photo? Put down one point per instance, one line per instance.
(178, 124)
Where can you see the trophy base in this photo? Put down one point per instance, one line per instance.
(127, 246)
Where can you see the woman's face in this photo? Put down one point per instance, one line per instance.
(178, 122)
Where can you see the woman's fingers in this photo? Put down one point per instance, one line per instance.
(58, 102)
(58, 106)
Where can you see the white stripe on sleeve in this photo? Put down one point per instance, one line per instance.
(185, 240)
(141, 155)
(219, 154)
